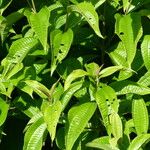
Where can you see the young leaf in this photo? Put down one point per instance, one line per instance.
(39, 88)
(34, 136)
(145, 49)
(51, 117)
(129, 30)
(116, 125)
(139, 141)
(109, 70)
(39, 23)
(60, 45)
(78, 117)
(140, 116)
(4, 107)
(66, 96)
(87, 10)
(125, 87)
(74, 75)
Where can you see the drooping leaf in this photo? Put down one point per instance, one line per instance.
(87, 10)
(139, 141)
(116, 125)
(78, 117)
(126, 86)
(4, 107)
(140, 116)
(39, 23)
(74, 75)
(129, 30)
(51, 117)
(60, 45)
(39, 88)
(145, 49)
(34, 136)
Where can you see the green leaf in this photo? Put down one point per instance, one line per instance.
(101, 143)
(107, 103)
(109, 70)
(60, 45)
(39, 23)
(145, 49)
(39, 88)
(140, 116)
(87, 10)
(139, 141)
(116, 125)
(78, 117)
(66, 96)
(4, 107)
(51, 117)
(125, 87)
(34, 136)
(145, 79)
(129, 30)
(73, 76)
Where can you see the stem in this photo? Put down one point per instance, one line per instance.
(33, 5)
(29, 3)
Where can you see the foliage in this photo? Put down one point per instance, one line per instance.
(75, 74)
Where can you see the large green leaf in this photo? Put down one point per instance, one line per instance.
(140, 116)
(17, 52)
(129, 30)
(145, 48)
(78, 117)
(139, 141)
(125, 87)
(34, 136)
(74, 75)
(60, 45)
(39, 23)
(51, 117)
(4, 107)
(107, 103)
(87, 10)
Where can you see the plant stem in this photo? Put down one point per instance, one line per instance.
(33, 5)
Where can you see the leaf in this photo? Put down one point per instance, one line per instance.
(139, 141)
(140, 116)
(39, 88)
(51, 117)
(107, 103)
(78, 117)
(60, 45)
(4, 107)
(145, 79)
(87, 10)
(74, 75)
(101, 143)
(116, 125)
(39, 23)
(109, 70)
(145, 49)
(66, 96)
(129, 30)
(34, 136)
(125, 87)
